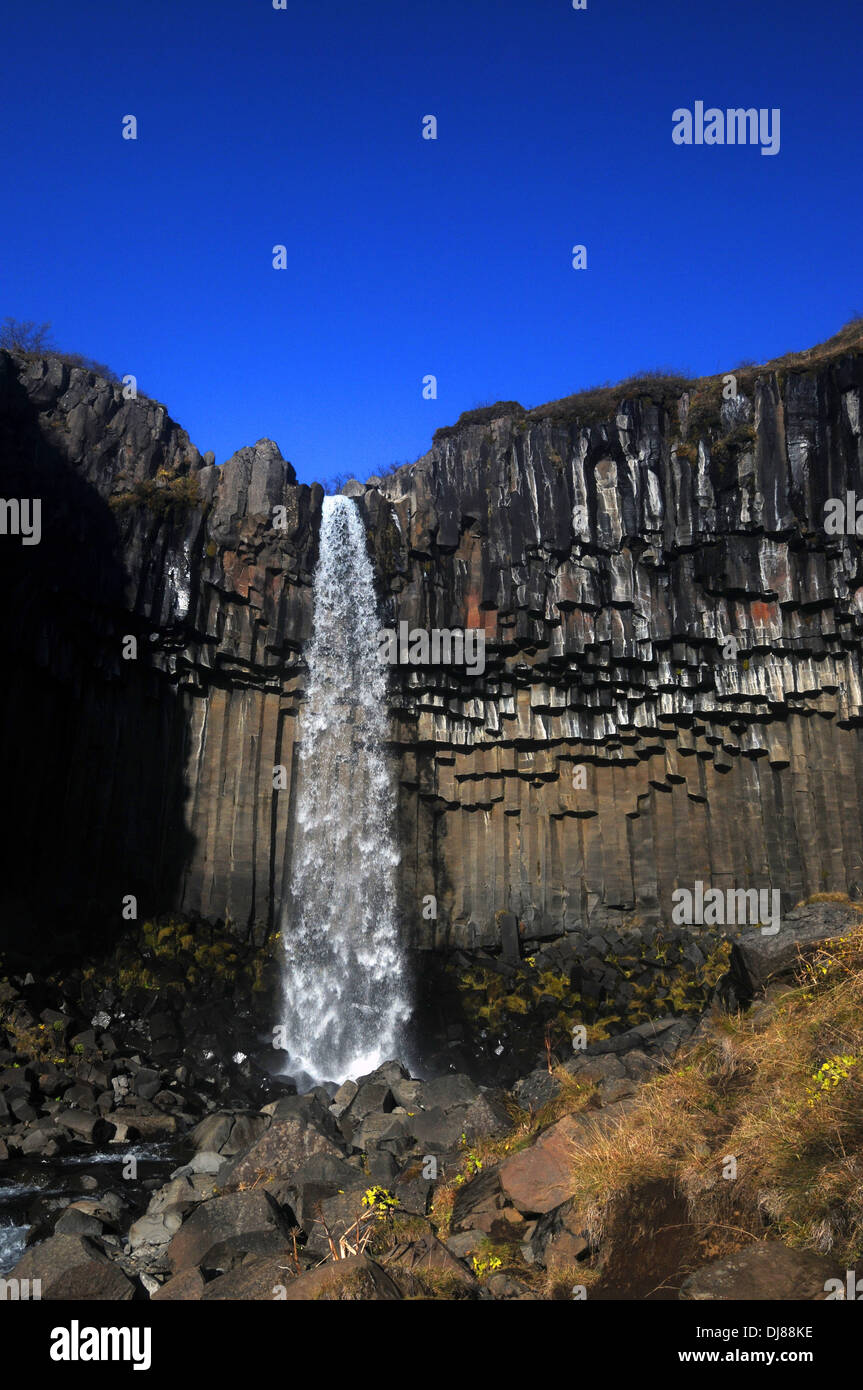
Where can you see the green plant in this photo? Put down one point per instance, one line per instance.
(472, 1161)
(380, 1201)
(829, 1075)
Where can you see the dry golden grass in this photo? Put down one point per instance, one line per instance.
(779, 1092)
(848, 339)
(668, 386)
(480, 1154)
(842, 898)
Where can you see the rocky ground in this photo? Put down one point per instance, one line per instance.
(227, 1184)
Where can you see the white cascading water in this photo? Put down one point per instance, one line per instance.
(345, 994)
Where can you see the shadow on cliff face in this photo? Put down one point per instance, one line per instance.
(92, 746)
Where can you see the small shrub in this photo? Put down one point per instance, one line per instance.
(482, 1267)
(25, 335)
(33, 340)
(162, 498)
(380, 1201)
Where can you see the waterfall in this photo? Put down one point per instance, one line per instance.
(344, 987)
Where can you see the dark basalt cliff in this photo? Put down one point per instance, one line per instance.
(609, 546)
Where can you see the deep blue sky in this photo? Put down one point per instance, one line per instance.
(407, 256)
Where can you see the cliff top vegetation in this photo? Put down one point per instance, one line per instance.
(33, 340)
(663, 385)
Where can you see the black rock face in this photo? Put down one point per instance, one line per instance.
(671, 688)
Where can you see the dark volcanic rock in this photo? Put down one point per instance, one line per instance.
(479, 1198)
(187, 1287)
(265, 1278)
(220, 1232)
(767, 1270)
(560, 1237)
(318, 1178)
(536, 1090)
(542, 1177)
(608, 547)
(759, 958)
(73, 1267)
(446, 1092)
(280, 1151)
(356, 1278)
(409, 1261)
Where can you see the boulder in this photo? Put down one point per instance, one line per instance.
(436, 1131)
(756, 959)
(147, 1082)
(412, 1189)
(280, 1151)
(212, 1132)
(765, 1271)
(481, 1197)
(319, 1178)
(182, 1192)
(541, 1177)
(80, 1095)
(384, 1131)
(446, 1092)
(203, 1164)
(407, 1093)
(77, 1223)
(245, 1130)
(186, 1287)
(594, 1070)
(465, 1243)
(345, 1094)
(263, 1279)
(108, 1207)
(382, 1167)
(372, 1097)
(74, 1267)
(503, 1286)
(155, 1228)
(44, 1142)
(355, 1279)
(334, 1218)
(220, 1232)
(86, 1125)
(486, 1118)
(613, 1091)
(638, 1066)
(425, 1259)
(559, 1238)
(152, 1127)
(537, 1089)
(273, 1278)
(310, 1109)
